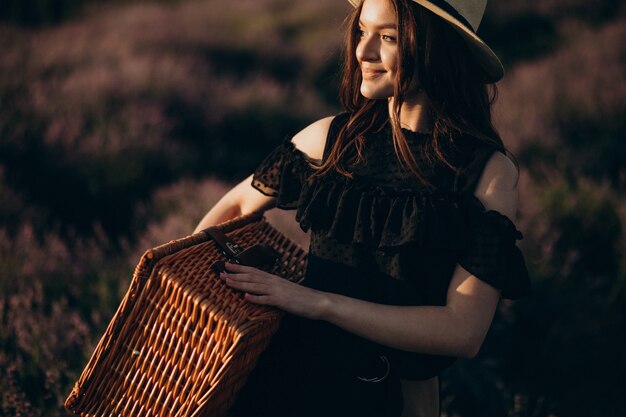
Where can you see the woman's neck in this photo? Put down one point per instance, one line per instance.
(414, 114)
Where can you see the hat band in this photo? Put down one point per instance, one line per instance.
(452, 12)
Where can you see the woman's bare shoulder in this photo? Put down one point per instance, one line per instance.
(497, 187)
(312, 139)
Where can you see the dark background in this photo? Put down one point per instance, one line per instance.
(123, 122)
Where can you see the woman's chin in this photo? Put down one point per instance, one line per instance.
(374, 94)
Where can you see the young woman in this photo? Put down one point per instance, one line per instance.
(410, 198)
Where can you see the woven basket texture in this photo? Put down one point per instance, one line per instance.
(182, 343)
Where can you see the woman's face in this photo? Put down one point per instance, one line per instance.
(377, 49)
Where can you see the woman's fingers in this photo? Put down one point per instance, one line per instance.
(261, 287)
(237, 268)
(259, 299)
(248, 279)
(241, 277)
(247, 286)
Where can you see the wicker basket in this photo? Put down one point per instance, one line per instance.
(182, 343)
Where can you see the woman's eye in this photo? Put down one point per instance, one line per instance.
(388, 38)
(361, 33)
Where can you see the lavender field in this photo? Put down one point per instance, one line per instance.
(122, 123)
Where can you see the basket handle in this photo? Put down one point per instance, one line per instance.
(257, 255)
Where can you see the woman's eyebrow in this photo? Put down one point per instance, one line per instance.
(381, 26)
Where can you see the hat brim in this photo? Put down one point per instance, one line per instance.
(487, 59)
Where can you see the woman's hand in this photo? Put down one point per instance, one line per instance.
(261, 287)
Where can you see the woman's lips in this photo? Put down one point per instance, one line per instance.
(369, 74)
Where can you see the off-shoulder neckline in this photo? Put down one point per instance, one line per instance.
(415, 133)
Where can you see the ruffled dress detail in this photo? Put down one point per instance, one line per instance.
(388, 219)
(381, 237)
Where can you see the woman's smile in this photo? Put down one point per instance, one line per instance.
(377, 49)
(370, 74)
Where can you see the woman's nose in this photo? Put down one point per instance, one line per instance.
(367, 49)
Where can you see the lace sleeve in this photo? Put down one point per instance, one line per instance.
(266, 177)
(491, 253)
(281, 175)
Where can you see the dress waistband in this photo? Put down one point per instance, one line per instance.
(368, 285)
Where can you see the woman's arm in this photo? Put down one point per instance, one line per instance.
(241, 199)
(456, 329)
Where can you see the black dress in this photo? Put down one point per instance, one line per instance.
(385, 238)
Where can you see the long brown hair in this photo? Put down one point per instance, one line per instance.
(459, 96)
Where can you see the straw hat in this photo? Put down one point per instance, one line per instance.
(465, 16)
